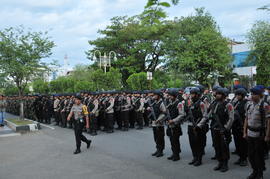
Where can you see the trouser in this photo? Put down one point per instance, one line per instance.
(118, 119)
(64, 119)
(109, 121)
(125, 119)
(212, 137)
(240, 144)
(159, 134)
(146, 119)
(196, 142)
(93, 123)
(2, 117)
(139, 118)
(256, 154)
(46, 117)
(132, 118)
(174, 135)
(56, 117)
(78, 129)
(221, 144)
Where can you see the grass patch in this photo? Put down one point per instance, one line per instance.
(19, 122)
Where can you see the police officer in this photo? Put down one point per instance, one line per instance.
(174, 130)
(222, 116)
(109, 110)
(237, 128)
(256, 132)
(158, 114)
(196, 130)
(80, 113)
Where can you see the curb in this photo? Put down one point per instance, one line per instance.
(23, 128)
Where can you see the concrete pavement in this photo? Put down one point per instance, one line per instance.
(48, 154)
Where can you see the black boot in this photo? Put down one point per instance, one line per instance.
(159, 154)
(176, 158)
(88, 144)
(155, 153)
(198, 162)
(224, 167)
(77, 151)
(170, 158)
(259, 175)
(252, 175)
(193, 161)
(218, 167)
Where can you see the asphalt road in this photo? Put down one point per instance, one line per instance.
(48, 154)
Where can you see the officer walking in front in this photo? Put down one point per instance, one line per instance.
(81, 119)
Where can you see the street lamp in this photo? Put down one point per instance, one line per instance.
(104, 61)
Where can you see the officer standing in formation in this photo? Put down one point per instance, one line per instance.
(247, 120)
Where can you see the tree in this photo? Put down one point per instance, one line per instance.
(40, 86)
(21, 52)
(197, 48)
(259, 37)
(138, 81)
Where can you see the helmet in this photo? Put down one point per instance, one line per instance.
(173, 92)
(195, 90)
(241, 91)
(222, 91)
(201, 87)
(216, 87)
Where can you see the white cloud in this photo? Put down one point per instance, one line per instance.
(74, 22)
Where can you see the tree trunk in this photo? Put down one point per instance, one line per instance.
(21, 106)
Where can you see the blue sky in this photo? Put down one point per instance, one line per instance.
(71, 23)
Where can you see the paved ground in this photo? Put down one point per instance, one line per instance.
(48, 154)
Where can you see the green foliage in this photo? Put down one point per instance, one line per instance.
(11, 90)
(138, 81)
(139, 47)
(259, 36)
(197, 48)
(20, 53)
(40, 86)
(85, 78)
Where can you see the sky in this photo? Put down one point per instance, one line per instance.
(72, 23)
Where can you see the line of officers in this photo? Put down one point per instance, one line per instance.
(245, 118)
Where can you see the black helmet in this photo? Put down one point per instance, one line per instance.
(201, 87)
(222, 91)
(158, 92)
(216, 87)
(173, 92)
(195, 90)
(241, 91)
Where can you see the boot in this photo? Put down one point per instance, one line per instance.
(259, 175)
(88, 144)
(159, 154)
(170, 158)
(224, 167)
(193, 161)
(218, 167)
(155, 153)
(252, 175)
(176, 158)
(198, 162)
(77, 151)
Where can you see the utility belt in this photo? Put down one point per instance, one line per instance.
(256, 129)
(80, 120)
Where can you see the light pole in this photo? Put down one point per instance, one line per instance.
(104, 60)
